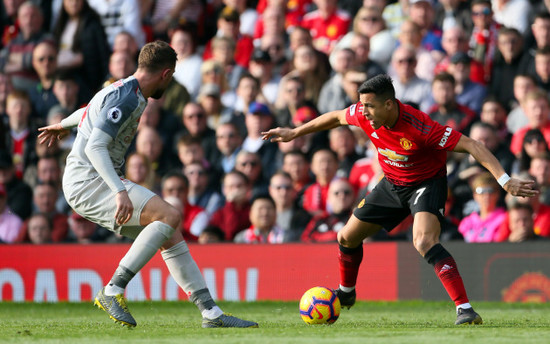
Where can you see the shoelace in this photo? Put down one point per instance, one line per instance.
(122, 302)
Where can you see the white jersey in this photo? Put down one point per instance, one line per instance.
(115, 110)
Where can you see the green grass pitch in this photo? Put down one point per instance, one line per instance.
(366, 322)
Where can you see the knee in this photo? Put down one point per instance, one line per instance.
(423, 243)
(172, 217)
(344, 240)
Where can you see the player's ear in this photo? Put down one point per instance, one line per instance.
(166, 73)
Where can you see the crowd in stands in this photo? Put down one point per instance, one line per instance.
(481, 67)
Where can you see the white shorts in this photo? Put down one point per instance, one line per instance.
(95, 201)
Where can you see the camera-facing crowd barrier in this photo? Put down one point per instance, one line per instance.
(390, 271)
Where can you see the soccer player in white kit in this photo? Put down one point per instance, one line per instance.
(94, 188)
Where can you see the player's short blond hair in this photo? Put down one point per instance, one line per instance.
(156, 56)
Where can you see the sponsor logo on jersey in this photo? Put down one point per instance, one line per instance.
(406, 143)
(352, 109)
(361, 204)
(114, 115)
(392, 155)
(374, 134)
(445, 137)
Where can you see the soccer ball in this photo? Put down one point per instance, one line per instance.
(319, 305)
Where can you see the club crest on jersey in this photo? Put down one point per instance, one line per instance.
(352, 110)
(361, 204)
(392, 155)
(406, 143)
(114, 115)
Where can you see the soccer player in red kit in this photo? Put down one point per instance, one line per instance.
(412, 150)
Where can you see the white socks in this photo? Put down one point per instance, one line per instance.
(346, 289)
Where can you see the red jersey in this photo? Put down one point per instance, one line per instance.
(414, 149)
(326, 31)
(517, 138)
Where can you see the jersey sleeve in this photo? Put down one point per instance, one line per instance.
(442, 137)
(116, 109)
(353, 114)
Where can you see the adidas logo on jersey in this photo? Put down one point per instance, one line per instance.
(445, 268)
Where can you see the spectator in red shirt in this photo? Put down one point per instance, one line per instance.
(324, 165)
(233, 216)
(537, 109)
(194, 219)
(327, 24)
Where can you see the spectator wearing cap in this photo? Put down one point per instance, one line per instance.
(261, 67)
(10, 223)
(454, 41)
(506, 65)
(18, 192)
(257, 120)
(188, 66)
(328, 24)
(468, 92)
(228, 25)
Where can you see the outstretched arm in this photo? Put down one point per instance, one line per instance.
(514, 186)
(326, 121)
(58, 131)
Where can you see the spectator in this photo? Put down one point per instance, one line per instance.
(44, 62)
(48, 170)
(540, 169)
(291, 218)
(297, 165)
(119, 15)
(537, 110)
(21, 137)
(233, 217)
(494, 113)
(18, 192)
(408, 86)
(125, 42)
(292, 96)
(251, 166)
(211, 235)
(10, 223)
(202, 188)
(506, 65)
(5, 88)
(324, 164)
(67, 91)
(541, 214)
(343, 143)
(328, 24)
(411, 35)
(446, 110)
(325, 226)
(452, 13)
(121, 65)
(10, 26)
(194, 218)
(228, 27)
(248, 16)
(163, 121)
(209, 99)
(468, 93)
(16, 56)
(483, 41)
(520, 221)
(542, 68)
(380, 42)
(533, 145)
(223, 51)
(306, 64)
(44, 201)
(164, 13)
(149, 143)
(190, 151)
(540, 29)
(365, 172)
(229, 143)
(259, 119)
(40, 229)
(395, 14)
(139, 171)
(82, 231)
(342, 59)
(248, 91)
(421, 12)
(195, 122)
(517, 119)
(272, 20)
(83, 45)
(263, 219)
(261, 67)
(188, 66)
(483, 226)
(275, 45)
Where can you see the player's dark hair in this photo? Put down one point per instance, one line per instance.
(156, 56)
(381, 85)
(263, 197)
